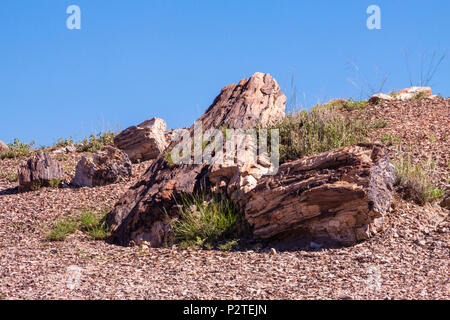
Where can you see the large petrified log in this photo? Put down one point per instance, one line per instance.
(340, 196)
(141, 213)
(40, 171)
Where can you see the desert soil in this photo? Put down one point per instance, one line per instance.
(409, 260)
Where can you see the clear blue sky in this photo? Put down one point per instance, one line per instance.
(137, 59)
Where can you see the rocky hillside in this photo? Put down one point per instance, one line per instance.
(360, 213)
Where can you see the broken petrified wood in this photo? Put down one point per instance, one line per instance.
(39, 171)
(110, 165)
(143, 142)
(340, 196)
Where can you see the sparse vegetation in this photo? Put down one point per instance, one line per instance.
(229, 245)
(352, 104)
(94, 143)
(90, 222)
(61, 229)
(63, 142)
(168, 158)
(321, 129)
(389, 139)
(413, 181)
(379, 123)
(9, 176)
(204, 220)
(17, 149)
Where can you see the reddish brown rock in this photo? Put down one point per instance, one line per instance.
(107, 166)
(40, 171)
(340, 196)
(143, 142)
(140, 215)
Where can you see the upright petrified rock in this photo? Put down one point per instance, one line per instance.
(140, 213)
(340, 196)
(107, 166)
(39, 171)
(258, 100)
(143, 142)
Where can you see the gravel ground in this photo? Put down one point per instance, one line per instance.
(409, 260)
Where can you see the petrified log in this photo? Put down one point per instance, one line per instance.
(140, 215)
(39, 171)
(339, 196)
(143, 142)
(107, 166)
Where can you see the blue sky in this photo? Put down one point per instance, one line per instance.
(137, 59)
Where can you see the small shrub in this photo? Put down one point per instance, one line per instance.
(94, 143)
(204, 220)
(321, 129)
(17, 149)
(414, 181)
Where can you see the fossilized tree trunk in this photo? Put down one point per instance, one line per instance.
(337, 196)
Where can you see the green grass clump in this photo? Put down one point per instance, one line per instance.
(89, 222)
(204, 220)
(94, 143)
(17, 149)
(321, 129)
(413, 181)
(61, 229)
(94, 225)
